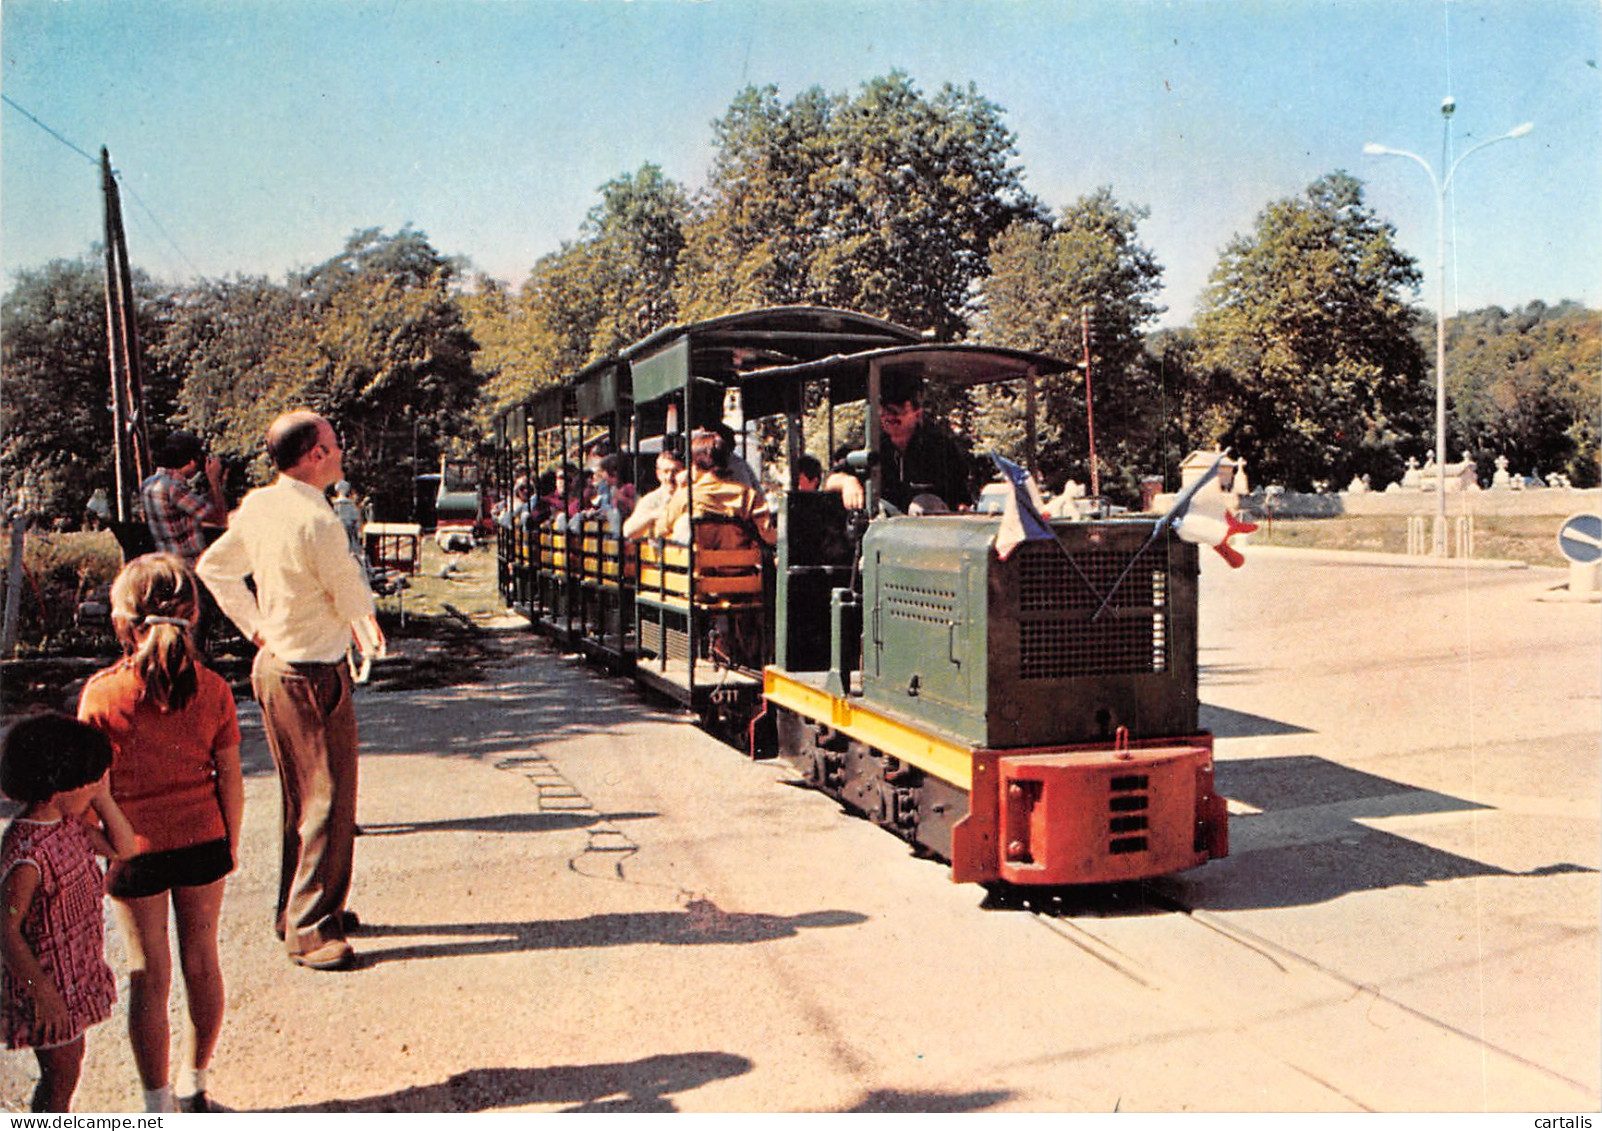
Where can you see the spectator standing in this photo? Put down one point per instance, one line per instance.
(174, 510)
(52, 927)
(175, 773)
(309, 596)
(351, 518)
(176, 513)
(350, 515)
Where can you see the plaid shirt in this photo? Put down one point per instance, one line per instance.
(172, 511)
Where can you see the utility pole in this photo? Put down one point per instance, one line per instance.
(131, 440)
(1090, 414)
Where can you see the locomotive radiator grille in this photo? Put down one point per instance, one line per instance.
(1056, 636)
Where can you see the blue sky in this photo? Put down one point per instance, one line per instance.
(252, 136)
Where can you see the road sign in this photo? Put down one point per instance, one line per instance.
(1580, 538)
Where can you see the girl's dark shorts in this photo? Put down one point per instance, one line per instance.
(152, 873)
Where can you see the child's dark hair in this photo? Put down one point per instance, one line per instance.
(49, 753)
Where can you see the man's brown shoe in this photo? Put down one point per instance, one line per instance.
(335, 954)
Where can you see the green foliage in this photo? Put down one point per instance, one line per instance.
(591, 298)
(885, 202)
(756, 226)
(1306, 327)
(1082, 285)
(636, 236)
(55, 416)
(1306, 358)
(224, 343)
(1526, 385)
(389, 359)
(60, 571)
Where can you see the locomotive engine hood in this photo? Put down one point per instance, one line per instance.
(1064, 642)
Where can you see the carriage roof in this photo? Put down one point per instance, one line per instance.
(766, 391)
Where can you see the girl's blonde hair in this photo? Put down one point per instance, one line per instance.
(154, 602)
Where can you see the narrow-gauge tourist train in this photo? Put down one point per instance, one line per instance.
(1028, 716)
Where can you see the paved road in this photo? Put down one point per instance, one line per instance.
(578, 902)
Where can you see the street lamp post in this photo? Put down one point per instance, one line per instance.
(1441, 186)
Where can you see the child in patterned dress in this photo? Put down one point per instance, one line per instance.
(52, 926)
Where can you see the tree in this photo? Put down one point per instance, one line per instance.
(219, 345)
(918, 190)
(635, 237)
(55, 419)
(1525, 385)
(1049, 288)
(1306, 324)
(755, 227)
(373, 338)
(389, 359)
(588, 300)
(884, 203)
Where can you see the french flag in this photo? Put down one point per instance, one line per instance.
(1021, 518)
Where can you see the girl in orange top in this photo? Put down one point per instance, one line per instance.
(175, 772)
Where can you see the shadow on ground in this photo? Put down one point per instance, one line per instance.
(502, 823)
(1308, 838)
(701, 923)
(633, 1086)
(1305, 840)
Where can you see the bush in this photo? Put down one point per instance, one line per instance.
(60, 573)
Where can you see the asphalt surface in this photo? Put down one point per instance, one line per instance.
(574, 901)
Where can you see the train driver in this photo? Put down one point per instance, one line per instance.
(918, 458)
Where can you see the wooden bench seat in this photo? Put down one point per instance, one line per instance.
(723, 579)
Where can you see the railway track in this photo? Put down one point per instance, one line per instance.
(1302, 1010)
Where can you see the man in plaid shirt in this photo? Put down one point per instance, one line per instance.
(174, 511)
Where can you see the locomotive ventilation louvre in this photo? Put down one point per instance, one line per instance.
(1057, 637)
(910, 602)
(1127, 803)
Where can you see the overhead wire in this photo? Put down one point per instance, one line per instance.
(34, 119)
(116, 173)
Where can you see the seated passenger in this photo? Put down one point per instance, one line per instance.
(808, 473)
(566, 498)
(739, 470)
(651, 506)
(616, 491)
(715, 492)
(917, 457)
(515, 511)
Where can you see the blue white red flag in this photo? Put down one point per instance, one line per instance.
(1021, 518)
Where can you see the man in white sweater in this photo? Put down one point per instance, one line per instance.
(309, 594)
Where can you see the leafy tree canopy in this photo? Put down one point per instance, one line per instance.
(1080, 285)
(1526, 385)
(1307, 323)
(55, 415)
(885, 202)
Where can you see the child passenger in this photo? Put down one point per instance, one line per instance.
(56, 982)
(175, 771)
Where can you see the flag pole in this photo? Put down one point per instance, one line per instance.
(1181, 503)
